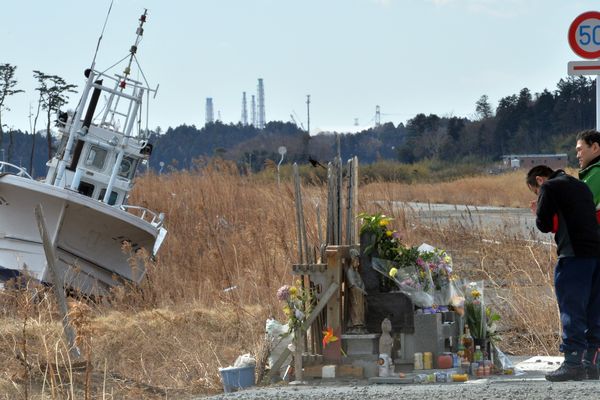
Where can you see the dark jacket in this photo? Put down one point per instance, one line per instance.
(578, 232)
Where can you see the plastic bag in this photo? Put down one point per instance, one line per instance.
(278, 341)
(245, 360)
(503, 363)
(439, 265)
(408, 281)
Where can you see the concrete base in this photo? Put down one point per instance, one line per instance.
(367, 362)
(361, 344)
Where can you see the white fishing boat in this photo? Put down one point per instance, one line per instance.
(85, 192)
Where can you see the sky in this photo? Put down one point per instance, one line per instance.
(405, 56)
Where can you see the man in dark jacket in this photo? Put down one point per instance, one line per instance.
(577, 274)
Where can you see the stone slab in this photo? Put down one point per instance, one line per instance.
(390, 380)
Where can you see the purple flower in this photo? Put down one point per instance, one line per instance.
(283, 293)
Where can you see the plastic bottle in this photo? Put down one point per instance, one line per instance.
(480, 371)
(469, 344)
(478, 355)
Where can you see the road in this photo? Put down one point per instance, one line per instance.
(518, 221)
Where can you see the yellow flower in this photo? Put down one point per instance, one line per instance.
(448, 260)
(389, 233)
(393, 272)
(293, 291)
(475, 293)
(422, 274)
(287, 311)
(384, 222)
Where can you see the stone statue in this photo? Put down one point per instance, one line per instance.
(386, 341)
(356, 295)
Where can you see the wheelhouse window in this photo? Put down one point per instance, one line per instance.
(96, 157)
(127, 167)
(112, 199)
(86, 189)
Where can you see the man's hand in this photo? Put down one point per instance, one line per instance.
(533, 206)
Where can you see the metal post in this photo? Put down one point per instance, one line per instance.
(597, 102)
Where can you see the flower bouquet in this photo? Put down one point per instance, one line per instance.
(439, 263)
(295, 300)
(480, 318)
(415, 284)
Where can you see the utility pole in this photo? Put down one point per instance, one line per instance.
(308, 113)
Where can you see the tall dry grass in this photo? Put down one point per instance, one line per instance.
(205, 300)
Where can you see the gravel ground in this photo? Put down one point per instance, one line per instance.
(530, 388)
(530, 384)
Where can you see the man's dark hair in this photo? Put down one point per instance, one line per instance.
(589, 136)
(538, 170)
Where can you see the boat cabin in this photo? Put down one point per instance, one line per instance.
(98, 155)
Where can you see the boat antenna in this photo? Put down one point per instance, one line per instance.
(139, 33)
(102, 33)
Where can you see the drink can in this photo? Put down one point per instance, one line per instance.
(418, 360)
(427, 360)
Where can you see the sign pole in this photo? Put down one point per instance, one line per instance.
(598, 103)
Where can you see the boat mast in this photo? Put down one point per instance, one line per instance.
(133, 111)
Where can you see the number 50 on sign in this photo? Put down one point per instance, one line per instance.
(584, 35)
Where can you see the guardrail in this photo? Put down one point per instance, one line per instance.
(20, 170)
(145, 214)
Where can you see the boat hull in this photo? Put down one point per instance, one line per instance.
(94, 242)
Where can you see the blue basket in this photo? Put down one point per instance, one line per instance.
(237, 378)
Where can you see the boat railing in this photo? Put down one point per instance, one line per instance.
(7, 168)
(145, 214)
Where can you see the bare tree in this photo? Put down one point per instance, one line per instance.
(7, 84)
(32, 128)
(53, 95)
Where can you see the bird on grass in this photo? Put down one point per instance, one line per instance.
(315, 163)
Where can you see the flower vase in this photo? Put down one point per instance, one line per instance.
(369, 276)
(299, 349)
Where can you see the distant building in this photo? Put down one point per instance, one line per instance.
(554, 161)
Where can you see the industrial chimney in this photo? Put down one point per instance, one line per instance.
(210, 116)
(260, 124)
(253, 107)
(244, 110)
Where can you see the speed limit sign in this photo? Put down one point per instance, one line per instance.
(584, 35)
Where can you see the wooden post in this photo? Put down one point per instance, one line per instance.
(355, 238)
(59, 291)
(332, 353)
(331, 290)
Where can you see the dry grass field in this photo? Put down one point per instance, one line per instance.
(168, 338)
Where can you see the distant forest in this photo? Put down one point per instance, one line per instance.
(543, 122)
